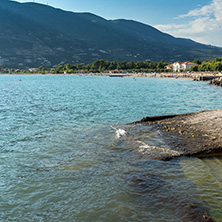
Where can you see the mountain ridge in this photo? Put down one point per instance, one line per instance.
(32, 34)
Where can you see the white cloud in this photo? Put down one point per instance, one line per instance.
(204, 11)
(204, 25)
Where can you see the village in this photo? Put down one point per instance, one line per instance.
(180, 66)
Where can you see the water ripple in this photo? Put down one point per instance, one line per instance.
(61, 160)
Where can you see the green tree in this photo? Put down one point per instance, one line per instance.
(102, 68)
(218, 66)
(1, 69)
(121, 65)
(140, 65)
(69, 68)
(112, 65)
(194, 68)
(161, 64)
(59, 69)
(41, 69)
(218, 59)
(131, 65)
(197, 61)
(79, 67)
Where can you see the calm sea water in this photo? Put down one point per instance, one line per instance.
(60, 159)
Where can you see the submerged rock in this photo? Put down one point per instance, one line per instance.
(161, 190)
(196, 213)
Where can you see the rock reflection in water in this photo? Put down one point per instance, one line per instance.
(162, 197)
(164, 191)
(206, 174)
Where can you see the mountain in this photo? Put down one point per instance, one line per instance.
(33, 34)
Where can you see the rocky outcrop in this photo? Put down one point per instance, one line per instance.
(192, 134)
(217, 82)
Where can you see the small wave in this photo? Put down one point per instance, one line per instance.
(119, 132)
(154, 150)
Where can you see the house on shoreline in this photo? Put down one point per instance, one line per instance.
(116, 71)
(179, 66)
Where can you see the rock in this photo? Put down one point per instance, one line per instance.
(193, 134)
(217, 82)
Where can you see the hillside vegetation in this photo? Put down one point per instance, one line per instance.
(33, 34)
(102, 66)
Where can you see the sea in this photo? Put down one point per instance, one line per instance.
(69, 153)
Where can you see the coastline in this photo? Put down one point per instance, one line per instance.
(151, 177)
(198, 76)
(192, 134)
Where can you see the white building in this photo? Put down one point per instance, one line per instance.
(179, 66)
(188, 65)
(169, 67)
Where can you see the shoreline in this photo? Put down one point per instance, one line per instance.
(191, 134)
(198, 76)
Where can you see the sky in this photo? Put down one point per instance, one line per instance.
(199, 20)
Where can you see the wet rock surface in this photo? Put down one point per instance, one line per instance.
(192, 134)
(217, 82)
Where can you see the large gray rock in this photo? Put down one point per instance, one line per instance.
(217, 82)
(192, 134)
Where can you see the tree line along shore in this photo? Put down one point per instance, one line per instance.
(102, 66)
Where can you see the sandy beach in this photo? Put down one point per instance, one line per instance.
(199, 76)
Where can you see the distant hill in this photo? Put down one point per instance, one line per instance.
(32, 34)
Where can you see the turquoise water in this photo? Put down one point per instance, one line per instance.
(61, 160)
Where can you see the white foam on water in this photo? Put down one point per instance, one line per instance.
(154, 150)
(119, 132)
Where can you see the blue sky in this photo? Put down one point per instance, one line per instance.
(200, 20)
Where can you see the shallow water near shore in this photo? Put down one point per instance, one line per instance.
(62, 161)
